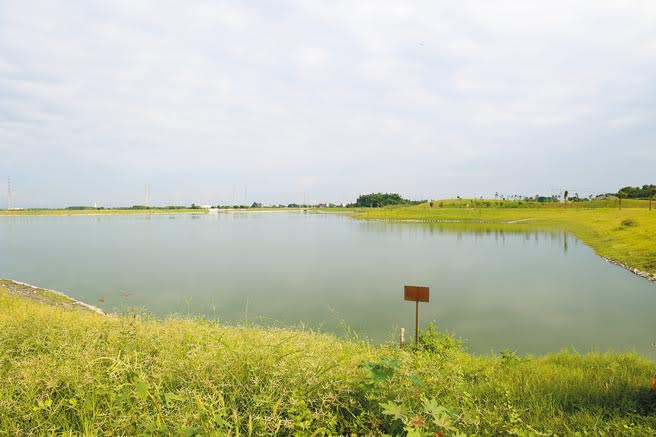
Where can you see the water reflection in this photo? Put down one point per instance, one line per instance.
(497, 286)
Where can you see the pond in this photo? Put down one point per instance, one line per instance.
(530, 292)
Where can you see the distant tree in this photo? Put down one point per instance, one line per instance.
(643, 192)
(376, 200)
(256, 205)
(565, 196)
(621, 195)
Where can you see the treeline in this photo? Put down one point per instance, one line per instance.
(376, 200)
(646, 192)
(260, 205)
(138, 207)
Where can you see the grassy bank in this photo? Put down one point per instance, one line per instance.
(627, 236)
(77, 372)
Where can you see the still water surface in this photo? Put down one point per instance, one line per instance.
(531, 292)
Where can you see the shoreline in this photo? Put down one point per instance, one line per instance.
(651, 277)
(95, 213)
(79, 373)
(49, 296)
(64, 213)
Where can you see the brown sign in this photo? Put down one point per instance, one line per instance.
(414, 293)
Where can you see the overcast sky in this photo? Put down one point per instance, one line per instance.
(265, 101)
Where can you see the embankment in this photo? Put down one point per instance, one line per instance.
(78, 372)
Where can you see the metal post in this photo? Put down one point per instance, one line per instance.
(402, 339)
(417, 323)
(417, 294)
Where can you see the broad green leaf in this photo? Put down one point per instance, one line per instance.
(392, 409)
(170, 397)
(417, 381)
(142, 390)
(432, 407)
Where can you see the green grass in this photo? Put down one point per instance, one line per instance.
(48, 295)
(106, 211)
(627, 235)
(55, 297)
(78, 373)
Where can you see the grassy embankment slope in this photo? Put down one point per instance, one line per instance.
(70, 371)
(627, 236)
(105, 211)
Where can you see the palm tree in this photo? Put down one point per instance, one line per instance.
(621, 195)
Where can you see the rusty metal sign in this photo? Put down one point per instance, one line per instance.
(415, 293)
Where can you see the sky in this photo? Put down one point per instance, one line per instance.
(236, 102)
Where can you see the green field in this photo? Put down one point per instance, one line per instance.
(73, 372)
(626, 235)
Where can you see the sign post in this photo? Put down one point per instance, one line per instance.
(416, 294)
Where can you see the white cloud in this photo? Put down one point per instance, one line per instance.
(454, 97)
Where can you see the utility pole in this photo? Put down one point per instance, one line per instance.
(147, 195)
(9, 206)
